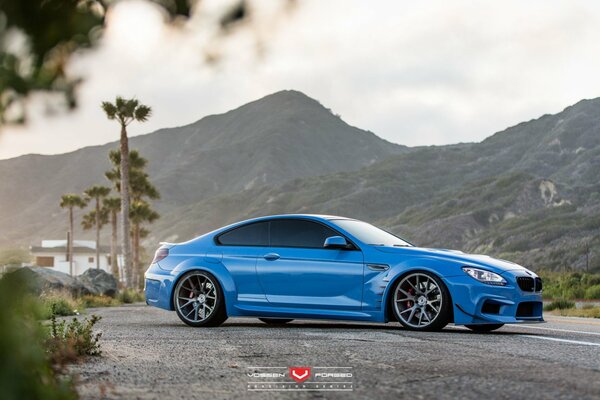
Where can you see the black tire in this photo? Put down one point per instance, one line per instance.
(275, 321)
(444, 313)
(217, 316)
(484, 328)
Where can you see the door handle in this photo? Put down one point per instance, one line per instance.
(271, 256)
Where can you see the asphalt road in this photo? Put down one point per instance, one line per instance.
(148, 353)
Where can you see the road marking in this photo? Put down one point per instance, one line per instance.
(563, 340)
(554, 329)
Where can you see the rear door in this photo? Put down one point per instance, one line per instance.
(297, 271)
(240, 248)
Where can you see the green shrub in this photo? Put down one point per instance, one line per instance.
(568, 285)
(128, 296)
(593, 292)
(25, 368)
(90, 301)
(67, 341)
(560, 304)
(62, 307)
(58, 303)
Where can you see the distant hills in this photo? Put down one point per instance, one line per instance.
(530, 193)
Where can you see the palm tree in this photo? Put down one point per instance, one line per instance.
(139, 184)
(70, 201)
(97, 193)
(125, 111)
(113, 205)
(140, 213)
(140, 189)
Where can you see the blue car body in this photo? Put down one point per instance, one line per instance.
(321, 283)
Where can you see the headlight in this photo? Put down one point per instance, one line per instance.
(485, 276)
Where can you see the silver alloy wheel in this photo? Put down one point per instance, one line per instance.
(418, 300)
(196, 297)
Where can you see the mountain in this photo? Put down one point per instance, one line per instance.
(529, 193)
(280, 137)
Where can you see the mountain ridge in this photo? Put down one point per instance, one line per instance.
(529, 193)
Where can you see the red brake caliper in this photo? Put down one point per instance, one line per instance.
(409, 303)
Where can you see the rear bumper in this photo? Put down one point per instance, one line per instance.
(158, 287)
(479, 303)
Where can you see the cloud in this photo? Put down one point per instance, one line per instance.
(415, 73)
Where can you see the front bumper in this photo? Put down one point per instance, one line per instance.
(478, 303)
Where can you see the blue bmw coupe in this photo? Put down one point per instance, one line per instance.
(286, 267)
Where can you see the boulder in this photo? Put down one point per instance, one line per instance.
(98, 281)
(39, 279)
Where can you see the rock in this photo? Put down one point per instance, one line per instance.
(41, 279)
(98, 281)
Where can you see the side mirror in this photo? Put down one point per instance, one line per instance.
(335, 242)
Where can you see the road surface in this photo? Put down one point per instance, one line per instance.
(149, 354)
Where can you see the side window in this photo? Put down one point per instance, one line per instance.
(248, 235)
(299, 233)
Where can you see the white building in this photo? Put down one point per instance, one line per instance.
(53, 254)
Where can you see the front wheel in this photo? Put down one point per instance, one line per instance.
(198, 300)
(484, 328)
(421, 302)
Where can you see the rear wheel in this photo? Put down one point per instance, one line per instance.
(421, 302)
(198, 300)
(275, 321)
(484, 328)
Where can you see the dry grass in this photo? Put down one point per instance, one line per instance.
(586, 312)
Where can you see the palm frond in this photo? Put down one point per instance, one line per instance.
(112, 203)
(142, 113)
(97, 191)
(109, 109)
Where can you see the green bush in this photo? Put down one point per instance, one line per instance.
(67, 341)
(58, 303)
(25, 369)
(560, 304)
(593, 292)
(128, 296)
(89, 301)
(568, 285)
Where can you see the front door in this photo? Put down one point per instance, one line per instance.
(297, 271)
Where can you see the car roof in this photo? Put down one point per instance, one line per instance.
(293, 216)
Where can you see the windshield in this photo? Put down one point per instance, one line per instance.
(370, 234)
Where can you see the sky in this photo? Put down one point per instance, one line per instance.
(414, 73)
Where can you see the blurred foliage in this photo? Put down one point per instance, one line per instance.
(560, 304)
(38, 38)
(571, 285)
(586, 312)
(14, 256)
(58, 303)
(25, 369)
(92, 301)
(592, 292)
(128, 296)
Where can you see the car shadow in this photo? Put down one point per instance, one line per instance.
(392, 327)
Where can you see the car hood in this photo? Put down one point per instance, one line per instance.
(475, 260)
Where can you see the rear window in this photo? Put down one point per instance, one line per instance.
(299, 233)
(256, 234)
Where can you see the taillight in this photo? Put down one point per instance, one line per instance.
(160, 254)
